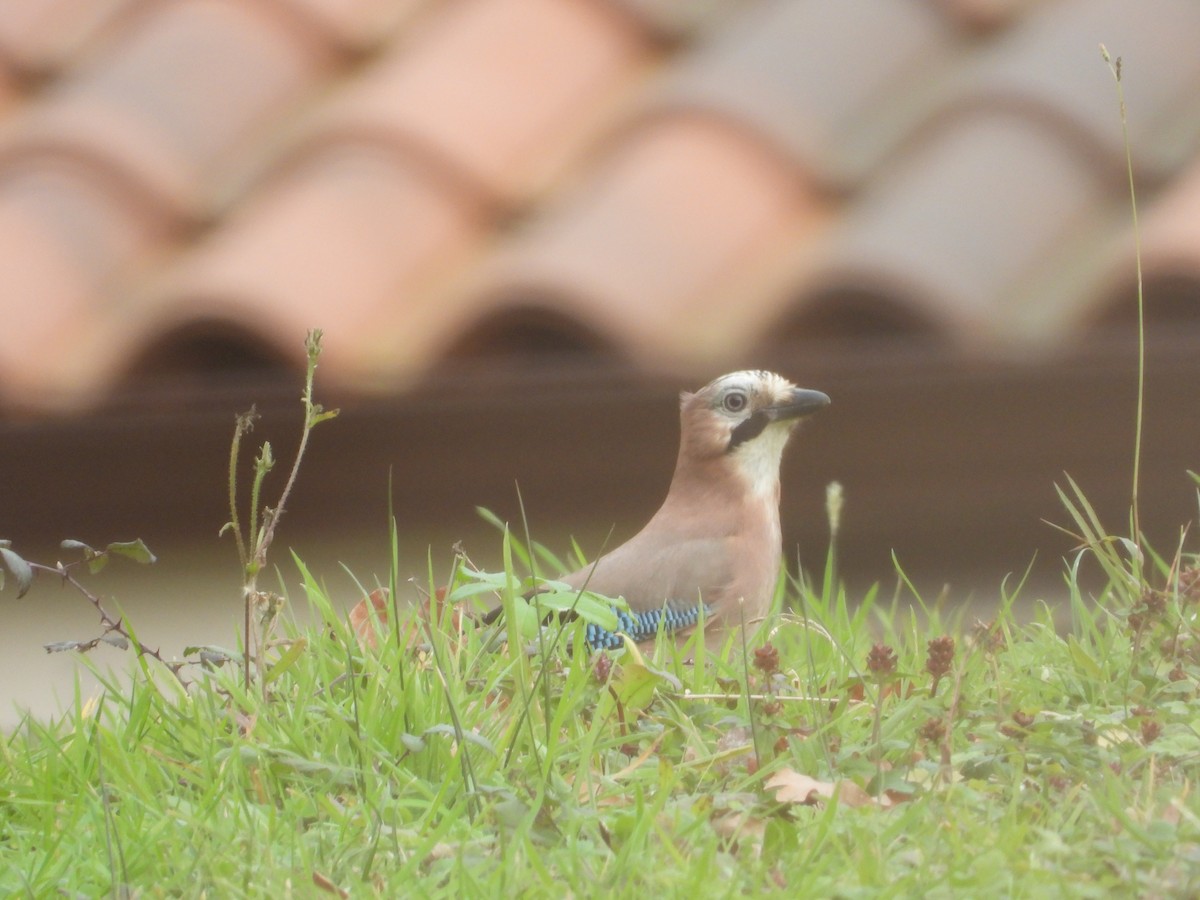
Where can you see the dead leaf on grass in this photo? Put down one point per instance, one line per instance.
(326, 884)
(791, 786)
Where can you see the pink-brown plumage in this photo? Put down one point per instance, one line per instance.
(716, 539)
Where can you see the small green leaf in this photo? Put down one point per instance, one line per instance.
(1195, 476)
(20, 569)
(471, 589)
(527, 620)
(588, 606)
(634, 686)
(1083, 659)
(193, 649)
(322, 415)
(287, 659)
(211, 656)
(635, 683)
(96, 559)
(135, 550)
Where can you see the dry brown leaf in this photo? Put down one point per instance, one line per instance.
(892, 797)
(325, 883)
(794, 787)
(742, 831)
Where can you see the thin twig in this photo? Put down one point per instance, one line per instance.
(111, 625)
(782, 698)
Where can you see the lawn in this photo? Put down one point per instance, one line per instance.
(853, 746)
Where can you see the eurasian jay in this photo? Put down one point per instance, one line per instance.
(714, 546)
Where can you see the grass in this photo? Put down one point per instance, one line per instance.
(448, 762)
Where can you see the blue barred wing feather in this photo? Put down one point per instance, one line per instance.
(643, 626)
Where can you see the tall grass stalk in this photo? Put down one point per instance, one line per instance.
(1114, 66)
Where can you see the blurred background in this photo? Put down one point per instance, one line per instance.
(526, 225)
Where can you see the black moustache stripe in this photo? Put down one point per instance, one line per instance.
(748, 430)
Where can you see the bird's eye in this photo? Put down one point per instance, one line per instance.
(734, 402)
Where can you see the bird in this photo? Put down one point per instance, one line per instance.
(714, 547)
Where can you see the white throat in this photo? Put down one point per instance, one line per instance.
(757, 460)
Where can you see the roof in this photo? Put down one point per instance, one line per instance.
(672, 186)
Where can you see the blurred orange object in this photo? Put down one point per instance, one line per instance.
(370, 629)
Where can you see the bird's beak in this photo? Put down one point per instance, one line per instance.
(799, 403)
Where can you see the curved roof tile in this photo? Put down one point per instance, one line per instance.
(1170, 239)
(987, 14)
(652, 249)
(1050, 62)
(67, 237)
(830, 83)
(957, 231)
(675, 21)
(501, 90)
(39, 36)
(358, 24)
(9, 92)
(342, 241)
(186, 86)
(1171, 228)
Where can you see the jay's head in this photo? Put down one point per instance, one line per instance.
(747, 418)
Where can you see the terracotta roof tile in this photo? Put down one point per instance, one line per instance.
(344, 240)
(500, 90)
(68, 237)
(39, 36)
(650, 250)
(1171, 226)
(954, 233)
(672, 20)
(182, 91)
(1170, 241)
(1049, 62)
(830, 85)
(359, 24)
(988, 14)
(9, 91)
